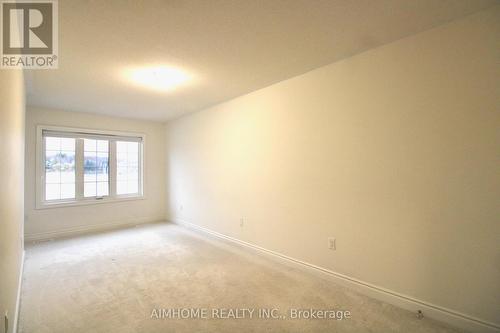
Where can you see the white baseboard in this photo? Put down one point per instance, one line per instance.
(89, 228)
(18, 296)
(454, 318)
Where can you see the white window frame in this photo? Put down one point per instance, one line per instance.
(41, 203)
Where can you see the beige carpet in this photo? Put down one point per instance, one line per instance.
(112, 281)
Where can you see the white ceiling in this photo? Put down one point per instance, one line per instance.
(232, 47)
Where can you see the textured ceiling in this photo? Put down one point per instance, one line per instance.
(231, 47)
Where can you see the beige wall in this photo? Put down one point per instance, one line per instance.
(57, 220)
(393, 152)
(12, 112)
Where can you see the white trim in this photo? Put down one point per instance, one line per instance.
(85, 202)
(78, 230)
(89, 131)
(454, 318)
(18, 297)
(78, 201)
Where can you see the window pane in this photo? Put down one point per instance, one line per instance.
(102, 177)
(132, 187)
(59, 168)
(102, 188)
(51, 157)
(89, 189)
(52, 167)
(68, 176)
(52, 176)
(96, 168)
(127, 173)
(121, 187)
(121, 159)
(89, 160)
(68, 144)
(52, 143)
(68, 191)
(133, 159)
(102, 162)
(133, 147)
(67, 165)
(52, 192)
(89, 145)
(89, 166)
(121, 147)
(133, 173)
(89, 175)
(103, 146)
(121, 173)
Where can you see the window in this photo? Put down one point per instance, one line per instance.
(77, 166)
(127, 160)
(95, 168)
(59, 168)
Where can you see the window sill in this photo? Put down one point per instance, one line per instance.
(87, 202)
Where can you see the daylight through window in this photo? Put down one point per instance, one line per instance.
(80, 167)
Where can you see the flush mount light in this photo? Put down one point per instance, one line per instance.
(160, 78)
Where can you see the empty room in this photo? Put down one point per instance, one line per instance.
(249, 166)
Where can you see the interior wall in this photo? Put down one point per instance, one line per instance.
(57, 220)
(12, 113)
(393, 152)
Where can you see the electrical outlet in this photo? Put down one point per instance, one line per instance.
(331, 243)
(181, 208)
(242, 222)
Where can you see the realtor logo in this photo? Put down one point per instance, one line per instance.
(29, 34)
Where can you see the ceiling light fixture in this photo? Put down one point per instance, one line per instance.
(159, 78)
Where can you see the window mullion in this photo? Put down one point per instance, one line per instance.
(112, 168)
(79, 169)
